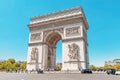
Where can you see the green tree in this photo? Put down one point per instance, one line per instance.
(8, 65)
(117, 66)
(16, 66)
(106, 66)
(1, 66)
(23, 65)
(11, 60)
(12, 64)
(100, 68)
(58, 67)
(93, 67)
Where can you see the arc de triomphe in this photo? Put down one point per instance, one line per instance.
(70, 26)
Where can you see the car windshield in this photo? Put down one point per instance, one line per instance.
(88, 70)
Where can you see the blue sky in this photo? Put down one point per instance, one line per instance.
(102, 16)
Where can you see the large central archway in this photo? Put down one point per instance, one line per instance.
(51, 40)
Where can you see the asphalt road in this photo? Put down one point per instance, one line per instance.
(58, 76)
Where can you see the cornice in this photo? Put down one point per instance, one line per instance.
(40, 43)
(54, 21)
(35, 43)
(50, 18)
(58, 12)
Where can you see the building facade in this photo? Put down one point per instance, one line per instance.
(71, 27)
(112, 62)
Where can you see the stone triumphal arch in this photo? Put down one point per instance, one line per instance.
(70, 26)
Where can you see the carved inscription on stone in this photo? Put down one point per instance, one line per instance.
(73, 51)
(72, 31)
(34, 54)
(35, 37)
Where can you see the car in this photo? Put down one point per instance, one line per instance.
(39, 71)
(86, 71)
(117, 72)
(111, 71)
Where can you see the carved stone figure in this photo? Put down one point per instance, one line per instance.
(34, 53)
(73, 51)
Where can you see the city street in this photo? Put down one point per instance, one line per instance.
(58, 76)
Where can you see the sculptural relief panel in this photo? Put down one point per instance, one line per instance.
(72, 31)
(35, 37)
(73, 51)
(34, 54)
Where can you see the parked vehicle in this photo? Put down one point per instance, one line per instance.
(111, 71)
(39, 71)
(117, 72)
(86, 71)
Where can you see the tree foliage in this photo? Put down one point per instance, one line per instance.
(117, 66)
(11, 60)
(23, 65)
(58, 67)
(11, 64)
(105, 67)
(92, 67)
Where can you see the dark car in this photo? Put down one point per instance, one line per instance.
(111, 71)
(39, 71)
(86, 71)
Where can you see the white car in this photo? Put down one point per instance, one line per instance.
(117, 72)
